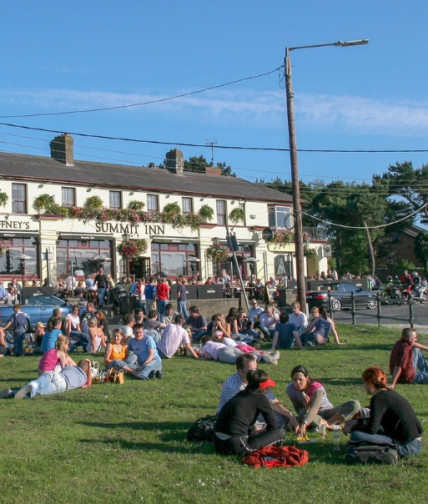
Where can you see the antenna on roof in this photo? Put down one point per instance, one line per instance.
(211, 143)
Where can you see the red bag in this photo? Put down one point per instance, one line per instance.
(276, 456)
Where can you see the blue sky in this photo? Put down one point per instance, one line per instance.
(66, 56)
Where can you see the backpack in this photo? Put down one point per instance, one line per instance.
(203, 429)
(276, 456)
(368, 453)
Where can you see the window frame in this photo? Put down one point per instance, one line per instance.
(221, 212)
(16, 203)
(117, 194)
(151, 198)
(184, 201)
(72, 191)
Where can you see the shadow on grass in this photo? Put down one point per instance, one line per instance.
(189, 449)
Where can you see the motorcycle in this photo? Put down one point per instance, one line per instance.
(416, 292)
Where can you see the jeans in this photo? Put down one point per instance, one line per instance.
(182, 308)
(404, 450)
(101, 294)
(18, 342)
(197, 335)
(132, 362)
(48, 383)
(78, 338)
(161, 306)
(419, 361)
(243, 445)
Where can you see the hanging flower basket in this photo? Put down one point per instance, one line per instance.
(216, 253)
(282, 237)
(132, 248)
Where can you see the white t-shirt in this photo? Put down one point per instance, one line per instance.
(172, 337)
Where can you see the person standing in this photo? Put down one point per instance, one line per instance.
(101, 283)
(182, 298)
(150, 294)
(162, 295)
(19, 322)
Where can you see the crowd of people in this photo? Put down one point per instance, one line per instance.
(249, 414)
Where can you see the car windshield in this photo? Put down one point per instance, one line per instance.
(44, 301)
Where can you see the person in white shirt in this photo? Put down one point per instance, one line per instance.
(255, 310)
(173, 336)
(298, 318)
(268, 321)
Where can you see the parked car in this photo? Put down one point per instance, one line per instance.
(38, 309)
(341, 297)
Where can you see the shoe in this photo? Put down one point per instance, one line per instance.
(151, 375)
(23, 392)
(269, 359)
(6, 393)
(159, 374)
(276, 354)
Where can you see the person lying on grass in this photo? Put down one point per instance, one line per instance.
(69, 378)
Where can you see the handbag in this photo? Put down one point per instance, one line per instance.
(116, 376)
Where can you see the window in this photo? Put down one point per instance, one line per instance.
(19, 198)
(74, 255)
(115, 198)
(187, 205)
(11, 264)
(280, 217)
(174, 259)
(221, 212)
(152, 203)
(68, 196)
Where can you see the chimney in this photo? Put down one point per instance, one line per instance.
(210, 170)
(62, 149)
(175, 161)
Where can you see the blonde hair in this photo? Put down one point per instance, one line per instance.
(62, 343)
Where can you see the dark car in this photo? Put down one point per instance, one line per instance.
(341, 297)
(38, 309)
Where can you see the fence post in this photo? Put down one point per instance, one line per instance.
(353, 307)
(379, 314)
(411, 312)
(329, 305)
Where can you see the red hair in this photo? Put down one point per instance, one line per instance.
(375, 378)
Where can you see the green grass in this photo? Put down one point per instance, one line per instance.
(127, 444)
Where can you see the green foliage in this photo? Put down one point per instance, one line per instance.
(94, 203)
(44, 202)
(421, 249)
(206, 213)
(172, 208)
(128, 442)
(3, 198)
(237, 215)
(199, 164)
(136, 205)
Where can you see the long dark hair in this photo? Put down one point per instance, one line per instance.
(255, 377)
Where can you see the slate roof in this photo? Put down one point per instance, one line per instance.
(26, 167)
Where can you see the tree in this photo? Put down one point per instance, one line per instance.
(421, 249)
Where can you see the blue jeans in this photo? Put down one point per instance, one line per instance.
(197, 335)
(132, 362)
(18, 342)
(182, 308)
(161, 307)
(404, 450)
(101, 292)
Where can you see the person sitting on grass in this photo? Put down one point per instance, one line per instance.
(285, 334)
(238, 381)
(407, 363)
(197, 323)
(97, 339)
(319, 328)
(153, 325)
(116, 349)
(56, 358)
(173, 337)
(142, 360)
(311, 403)
(268, 320)
(235, 431)
(298, 318)
(127, 327)
(392, 419)
(51, 382)
(39, 332)
(4, 349)
(51, 335)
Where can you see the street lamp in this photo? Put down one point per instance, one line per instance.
(298, 231)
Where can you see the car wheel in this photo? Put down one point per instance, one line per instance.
(336, 305)
(372, 304)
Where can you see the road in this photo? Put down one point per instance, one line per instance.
(391, 315)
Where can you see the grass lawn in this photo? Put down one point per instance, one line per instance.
(127, 444)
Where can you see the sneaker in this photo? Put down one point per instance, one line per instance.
(276, 354)
(269, 359)
(159, 374)
(151, 375)
(23, 392)
(6, 393)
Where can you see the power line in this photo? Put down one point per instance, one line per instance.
(141, 104)
(368, 227)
